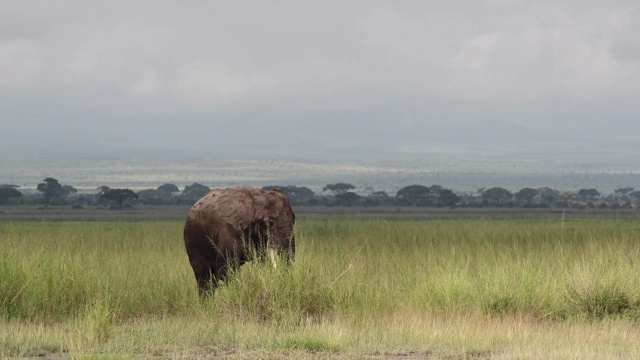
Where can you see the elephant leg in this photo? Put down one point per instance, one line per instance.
(203, 271)
(205, 283)
(222, 265)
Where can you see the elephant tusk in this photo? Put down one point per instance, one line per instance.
(273, 255)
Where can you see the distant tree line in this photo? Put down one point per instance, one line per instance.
(51, 192)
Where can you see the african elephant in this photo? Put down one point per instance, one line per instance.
(225, 226)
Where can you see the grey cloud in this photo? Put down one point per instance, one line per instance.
(389, 63)
(216, 53)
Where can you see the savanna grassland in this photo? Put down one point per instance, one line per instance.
(551, 288)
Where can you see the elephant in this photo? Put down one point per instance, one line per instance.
(226, 227)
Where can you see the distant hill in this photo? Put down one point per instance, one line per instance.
(291, 133)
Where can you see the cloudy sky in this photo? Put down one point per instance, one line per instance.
(176, 73)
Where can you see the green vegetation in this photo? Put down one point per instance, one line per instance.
(52, 193)
(119, 196)
(553, 288)
(9, 192)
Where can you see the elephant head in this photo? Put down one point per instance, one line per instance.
(224, 227)
(276, 221)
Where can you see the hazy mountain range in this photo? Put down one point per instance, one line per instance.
(298, 134)
(382, 149)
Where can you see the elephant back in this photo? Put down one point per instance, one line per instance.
(236, 206)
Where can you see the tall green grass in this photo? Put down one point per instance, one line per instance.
(95, 279)
(55, 271)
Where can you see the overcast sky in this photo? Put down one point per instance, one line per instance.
(81, 64)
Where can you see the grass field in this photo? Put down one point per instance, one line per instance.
(550, 288)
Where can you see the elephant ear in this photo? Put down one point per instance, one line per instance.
(236, 207)
(284, 196)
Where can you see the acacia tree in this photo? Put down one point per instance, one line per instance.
(497, 196)
(348, 198)
(194, 192)
(119, 196)
(525, 195)
(298, 195)
(419, 195)
(548, 196)
(447, 197)
(103, 189)
(168, 188)
(53, 192)
(9, 192)
(338, 188)
(163, 194)
(588, 194)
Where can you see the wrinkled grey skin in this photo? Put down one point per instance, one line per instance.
(225, 226)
